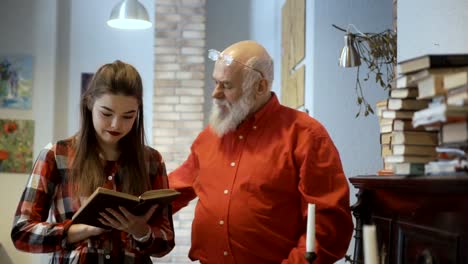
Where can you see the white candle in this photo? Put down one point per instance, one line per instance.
(370, 245)
(310, 236)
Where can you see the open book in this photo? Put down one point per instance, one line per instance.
(104, 198)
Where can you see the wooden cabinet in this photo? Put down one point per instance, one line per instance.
(418, 219)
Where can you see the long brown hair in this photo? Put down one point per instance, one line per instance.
(117, 78)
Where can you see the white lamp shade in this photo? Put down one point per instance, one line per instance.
(349, 55)
(129, 14)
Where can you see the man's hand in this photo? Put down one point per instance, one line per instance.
(80, 232)
(128, 222)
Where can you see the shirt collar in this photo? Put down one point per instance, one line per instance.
(269, 107)
(265, 110)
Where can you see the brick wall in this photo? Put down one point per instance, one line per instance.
(179, 81)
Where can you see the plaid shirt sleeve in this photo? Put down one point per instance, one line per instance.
(30, 230)
(162, 239)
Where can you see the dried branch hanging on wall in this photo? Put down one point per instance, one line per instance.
(378, 52)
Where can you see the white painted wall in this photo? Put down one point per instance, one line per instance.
(334, 97)
(93, 43)
(333, 87)
(27, 27)
(432, 26)
(266, 29)
(226, 23)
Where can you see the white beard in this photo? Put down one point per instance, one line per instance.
(225, 116)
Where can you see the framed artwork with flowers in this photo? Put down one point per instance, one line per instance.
(16, 81)
(16, 145)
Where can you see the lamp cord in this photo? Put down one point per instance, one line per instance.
(365, 35)
(355, 28)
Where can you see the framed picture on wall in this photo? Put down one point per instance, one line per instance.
(16, 145)
(16, 81)
(85, 79)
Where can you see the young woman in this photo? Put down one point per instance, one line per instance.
(108, 151)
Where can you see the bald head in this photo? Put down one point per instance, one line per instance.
(244, 50)
(254, 55)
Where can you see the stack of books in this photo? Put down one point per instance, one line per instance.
(442, 82)
(386, 126)
(405, 148)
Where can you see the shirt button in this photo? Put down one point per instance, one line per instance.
(241, 137)
(233, 164)
(254, 127)
(107, 256)
(221, 222)
(109, 178)
(226, 191)
(225, 253)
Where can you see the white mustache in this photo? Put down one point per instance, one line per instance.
(218, 102)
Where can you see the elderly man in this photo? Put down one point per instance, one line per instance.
(256, 167)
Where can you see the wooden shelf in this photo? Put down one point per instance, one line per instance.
(418, 219)
(419, 184)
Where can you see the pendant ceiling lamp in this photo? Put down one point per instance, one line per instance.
(129, 14)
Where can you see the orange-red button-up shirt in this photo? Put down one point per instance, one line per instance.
(254, 184)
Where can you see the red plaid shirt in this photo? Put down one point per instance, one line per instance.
(46, 208)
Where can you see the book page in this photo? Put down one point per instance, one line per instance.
(116, 193)
(160, 193)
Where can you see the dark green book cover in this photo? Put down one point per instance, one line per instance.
(105, 198)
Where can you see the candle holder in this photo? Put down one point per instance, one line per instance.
(310, 256)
